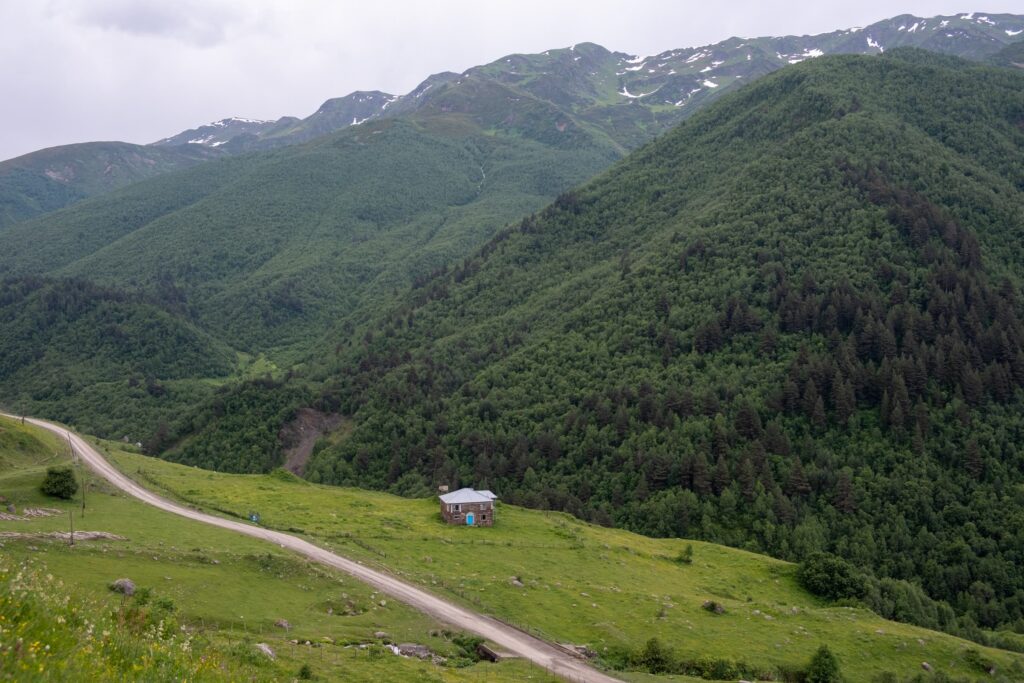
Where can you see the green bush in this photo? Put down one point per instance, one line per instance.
(824, 667)
(59, 483)
(831, 577)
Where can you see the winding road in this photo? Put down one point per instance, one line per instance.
(540, 652)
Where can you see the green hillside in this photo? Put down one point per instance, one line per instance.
(72, 348)
(573, 582)
(790, 325)
(205, 597)
(50, 179)
(268, 252)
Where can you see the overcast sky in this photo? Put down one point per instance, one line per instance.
(140, 70)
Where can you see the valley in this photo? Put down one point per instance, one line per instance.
(734, 332)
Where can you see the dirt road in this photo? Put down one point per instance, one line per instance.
(537, 651)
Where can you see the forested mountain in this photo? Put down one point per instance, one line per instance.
(630, 99)
(269, 251)
(53, 178)
(792, 324)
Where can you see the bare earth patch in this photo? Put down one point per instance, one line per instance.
(301, 434)
(60, 536)
(27, 514)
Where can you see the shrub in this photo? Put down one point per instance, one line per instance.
(685, 555)
(654, 658)
(831, 577)
(824, 667)
(59, 483)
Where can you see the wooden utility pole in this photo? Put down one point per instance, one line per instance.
(71, 522)
(81, 470)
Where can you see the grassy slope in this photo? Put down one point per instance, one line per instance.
(583, 584)
(231, 588)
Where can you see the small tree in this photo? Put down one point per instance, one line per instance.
(59, 483)
(654, 658)
(824, 667)
(831, 577)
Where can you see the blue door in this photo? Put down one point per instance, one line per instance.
(469, 519)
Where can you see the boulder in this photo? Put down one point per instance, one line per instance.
(283, 623)
(414, 650)
(380, 635)
(123, 586)
(926, 666)
(265, 649)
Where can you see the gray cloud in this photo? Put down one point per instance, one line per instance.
(201, 24)
(140, 70)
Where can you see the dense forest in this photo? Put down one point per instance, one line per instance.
(791, 325)
(75, 350)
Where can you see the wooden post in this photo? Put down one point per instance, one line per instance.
(71, 521)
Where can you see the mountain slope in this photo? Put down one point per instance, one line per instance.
(634, 98)
(630, 98)
(76, 350)
(269, 250)
(53, 178)
(791, 324)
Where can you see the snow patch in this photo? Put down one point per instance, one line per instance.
(806, 54)
(984, 20)
(1012, 33)
(697, 56)
(967, 17)
(358, 121)
(636, 68)
(914, 28)
(710, 84)
(944, 23)
(902, 28)
(625, 93)
(872, 43)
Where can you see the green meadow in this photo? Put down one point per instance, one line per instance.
(228, 593)
(582, 584)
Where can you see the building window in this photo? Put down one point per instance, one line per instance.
(458, 508)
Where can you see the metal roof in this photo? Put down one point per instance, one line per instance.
(467, 496)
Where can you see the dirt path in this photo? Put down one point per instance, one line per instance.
(534, 649)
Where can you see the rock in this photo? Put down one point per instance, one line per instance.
(414, 650)
(714, 607)
(380, 635)
(516, 582)
(11, 508)
(265, 649)
(926, 666)
(283, 623)
(383, 603)
(123, 586)
(584, 651)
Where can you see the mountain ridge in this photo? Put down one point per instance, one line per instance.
(630, 98)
